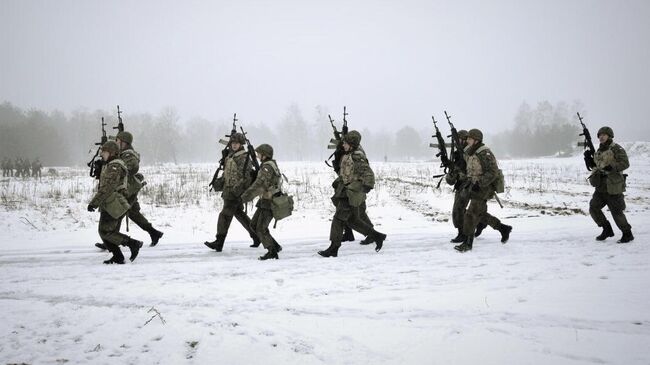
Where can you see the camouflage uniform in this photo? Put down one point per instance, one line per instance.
(611, 159)
(266, 185)
(355, 180)
(482, 174)
(237, 175)
(113, 179)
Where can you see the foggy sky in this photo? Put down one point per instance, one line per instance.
(388, 61)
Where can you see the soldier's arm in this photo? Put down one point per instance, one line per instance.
(262, 183)
(132, 162)
(490, 168)
(621, 162)
(111, 178)
(363, 170)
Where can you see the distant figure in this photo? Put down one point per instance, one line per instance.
(36, 168)
(5, 167)
(27, 167)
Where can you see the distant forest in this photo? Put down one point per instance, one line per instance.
(61, 139)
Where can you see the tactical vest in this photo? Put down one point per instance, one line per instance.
(116, 204)
(276, 186)
(474, 168)
(347, 166)
(233, 175)
(613, 182)
(132, 152)
(605, 158)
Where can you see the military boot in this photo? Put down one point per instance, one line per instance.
(366, 241)
(216, 244)
(101, 246)
(348, 235)
(627, 237)
(331, 251)
(607, 232)
(134, 246)
(256, 243)
(479, 228)
(117, 258)
(379, 239)
(270, 254)
(278, 248)
(505, 230)
(465, 246)
(460, 238)
(155, 235)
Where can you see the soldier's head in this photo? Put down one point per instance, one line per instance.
(462, 136)
(351, 141)
(124, 139)
(236, 141)
(110, 149)
(264, 152)
(604, 134)
(474, 136)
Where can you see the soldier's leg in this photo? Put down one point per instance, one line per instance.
(473, 214)
(363, 214)
(596, 205)
(109, 232)
(262, 229)
(616, 205)
(358, 224)
(245, 221)
(339, 222)
(461, 199)
(225, 217)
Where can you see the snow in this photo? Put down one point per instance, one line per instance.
(551, 295)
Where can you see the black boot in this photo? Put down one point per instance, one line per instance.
(331, 251)
(216, 244)
(366, 241)
(505, 232)
(117, 258)
(155, 235)
(465, 246)
(460, 238)
(378, 238)
(607, 232)
(134, 246)
(479, 228)
(256, 243)
(348, 235)
(270, 254)
(101, 246)
(627, 237)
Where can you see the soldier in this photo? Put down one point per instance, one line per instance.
(18, 167)
(483, 175)
(113, 205)
(237, 176)
(36, 168)
(267, 184)
(4, 167)
(355, 180)
(27, 167)
(610, 160)
(458, 178)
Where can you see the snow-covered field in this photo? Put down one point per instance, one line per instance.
(551, 295)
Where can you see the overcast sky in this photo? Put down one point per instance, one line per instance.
(388, 61)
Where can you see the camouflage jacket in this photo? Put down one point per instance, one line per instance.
(355, 177)
(268, 182)
(131, 159)
(482, 169)
(113, 178)
(236, 179)
(607, 180)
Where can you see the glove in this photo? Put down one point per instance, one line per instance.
(91, 208)
(366, 189)
(609, 168)
(476, 187)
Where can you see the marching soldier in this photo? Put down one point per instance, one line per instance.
(113, 205)
(237, 176)
(36, 168)
(611, 159)
(355, 180)
(482, 174)
(267, 184)
(459, 180)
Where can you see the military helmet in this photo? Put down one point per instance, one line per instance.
(462, 134)
(111, 147)
(475, 134)
(238, 137)
(605, 130)
(353, 138)
(265, 149)
(125, 136)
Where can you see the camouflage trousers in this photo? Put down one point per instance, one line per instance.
(477, 212)
(347, 215)
(260, 223)
(109, 230)
(616, 205)
(461, 199)
(233, 208)
(136, 216)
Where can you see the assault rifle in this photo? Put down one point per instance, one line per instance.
(120, 125)
(445, 163)
(96, 162)
(252, 157)
(336, 143)
(224, 153)
(588, 145)
(456, 152)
